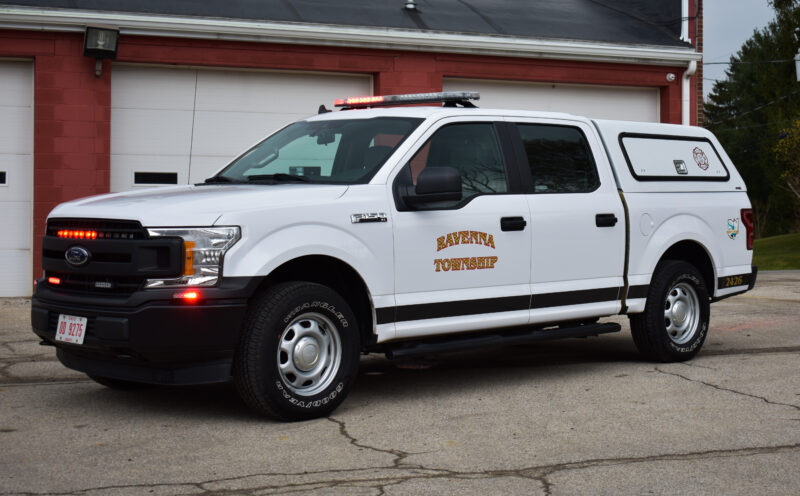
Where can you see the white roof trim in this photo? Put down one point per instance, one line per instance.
(337, 35)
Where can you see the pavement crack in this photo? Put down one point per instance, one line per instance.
(547, 486)
(357, 478)
(543, 471)
(694, 365)
(750, 351)
(12, 382)
(399, 455)
(729, 390)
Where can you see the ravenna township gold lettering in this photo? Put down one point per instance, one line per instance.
(466, 263)
(464, 238)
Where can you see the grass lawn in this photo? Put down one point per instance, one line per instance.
(777, 252)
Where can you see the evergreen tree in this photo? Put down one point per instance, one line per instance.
(751, 110)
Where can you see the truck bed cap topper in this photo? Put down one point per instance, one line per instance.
(448, 98)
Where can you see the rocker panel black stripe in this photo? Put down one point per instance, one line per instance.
(457, 308)
(575, 297)
(423, 311)
(638, 291)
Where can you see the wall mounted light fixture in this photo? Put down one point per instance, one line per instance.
(100, 42)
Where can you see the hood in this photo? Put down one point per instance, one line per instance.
(195, 205)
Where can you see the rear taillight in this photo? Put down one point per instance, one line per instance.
(749, 226)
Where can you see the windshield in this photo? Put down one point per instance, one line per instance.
(337, 151)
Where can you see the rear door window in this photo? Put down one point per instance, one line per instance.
(559, 159)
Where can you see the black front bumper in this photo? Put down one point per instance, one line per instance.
(149, 336)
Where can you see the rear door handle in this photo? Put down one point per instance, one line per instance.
(512, 224)
(605, 220)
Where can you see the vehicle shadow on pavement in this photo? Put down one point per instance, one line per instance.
(379, 380)
(466, 370)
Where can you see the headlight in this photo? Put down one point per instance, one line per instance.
(205, 249)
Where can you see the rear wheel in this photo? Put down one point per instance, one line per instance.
(298, 356)
(675, 320)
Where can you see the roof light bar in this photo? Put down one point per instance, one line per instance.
(451, 97)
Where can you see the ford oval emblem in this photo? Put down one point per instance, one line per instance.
(77, 256)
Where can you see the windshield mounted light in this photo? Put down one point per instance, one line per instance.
(204, 251)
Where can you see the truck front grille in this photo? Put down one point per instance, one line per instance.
(105, 229)
(121, 256)
(95, 284)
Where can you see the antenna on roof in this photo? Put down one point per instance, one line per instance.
(411, 5)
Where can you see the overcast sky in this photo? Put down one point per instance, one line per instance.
(727, 24)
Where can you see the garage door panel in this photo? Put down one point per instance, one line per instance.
(15, 265)
(16, 219)
(19, 178)
(194, 121)
(205, 166)
(227, 134)
(598, 102)
(274, 92)
(16, 160)
(145, 131)
(17, 88)
(126, 166)
(16, 138)
(132, 87)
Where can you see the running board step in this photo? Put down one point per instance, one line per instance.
(496, 340)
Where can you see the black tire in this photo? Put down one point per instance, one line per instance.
(674, 324)
(118, 384)
(298, 355)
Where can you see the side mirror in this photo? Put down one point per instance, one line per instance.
(435, 184)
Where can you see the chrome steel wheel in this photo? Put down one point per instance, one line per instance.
(309, 354)
(682, 313)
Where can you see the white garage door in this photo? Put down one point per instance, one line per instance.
(16, 177)
(598, 102)
(179, 126)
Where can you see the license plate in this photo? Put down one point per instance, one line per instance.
(71, 329)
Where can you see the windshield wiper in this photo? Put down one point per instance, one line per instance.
(279, 177)
(219, 179)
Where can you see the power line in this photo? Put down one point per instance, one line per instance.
(777, 61)
(737, 128)
(760, 106)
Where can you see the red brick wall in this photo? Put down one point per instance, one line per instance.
(72, 106)
(71, 122)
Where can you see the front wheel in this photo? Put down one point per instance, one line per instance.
(298, 356)
(675, 320)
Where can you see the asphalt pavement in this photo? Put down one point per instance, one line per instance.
(579, 416)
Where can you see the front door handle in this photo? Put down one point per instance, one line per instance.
(512, 224)
(605, 220)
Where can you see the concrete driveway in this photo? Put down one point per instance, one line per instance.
(581, 416)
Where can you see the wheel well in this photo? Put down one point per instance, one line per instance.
(695, 254)
(338, 276)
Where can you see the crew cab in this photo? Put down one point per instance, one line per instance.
(396, 229)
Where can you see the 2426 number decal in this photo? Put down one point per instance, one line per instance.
(732, 281)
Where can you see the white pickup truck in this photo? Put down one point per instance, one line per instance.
(406, 230)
